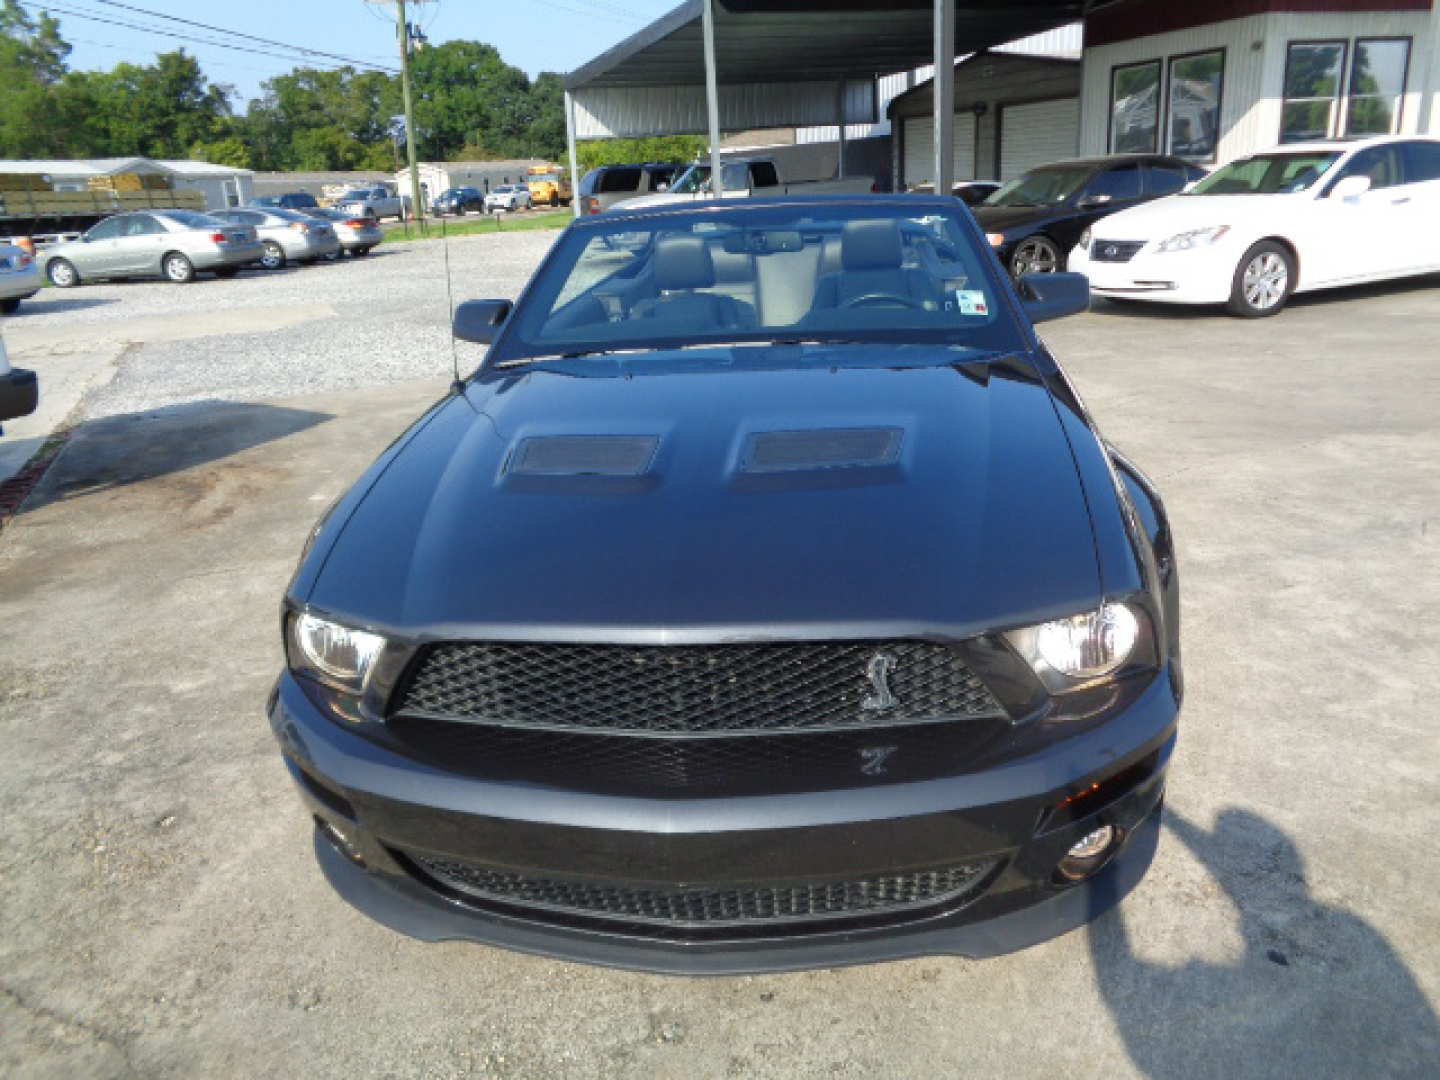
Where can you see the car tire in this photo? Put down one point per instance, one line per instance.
(1036, 255)
(10, 305)
(62, 273)
(1264, 279)
(273, 257)
(177, 268)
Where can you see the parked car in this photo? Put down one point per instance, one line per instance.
(743, 178)
(1258, 230)
(508, 197)
(373, 202)
(19, 277)
(1035, 219)
(850, 638)
(458, 200)
(174, 244)
(286, 235)
(19, 389)
(357, 235)
(603, 187)
(291, 200)
(970, 192)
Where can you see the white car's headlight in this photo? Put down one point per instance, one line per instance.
(333, 653)
(1085, 239)
(1072, 652)
(1193, 238)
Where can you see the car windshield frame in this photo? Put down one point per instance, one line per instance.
(1004, 195)
(190, 219)
(528, 341)
(1322, 161)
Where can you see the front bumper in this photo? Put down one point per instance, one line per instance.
(1198, 276)
(391, 810)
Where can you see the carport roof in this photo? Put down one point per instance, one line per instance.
(811, 40)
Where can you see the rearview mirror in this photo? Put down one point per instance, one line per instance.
(1053, 296)
(480, 320)
(1351, 186)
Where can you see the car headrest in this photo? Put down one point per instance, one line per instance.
(683, 262)
(871, 245)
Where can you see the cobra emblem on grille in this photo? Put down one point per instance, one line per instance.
(878, 671)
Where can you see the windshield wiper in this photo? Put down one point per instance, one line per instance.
(679, 346)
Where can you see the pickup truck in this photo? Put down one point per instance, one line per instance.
(375, 202)
(744, 177)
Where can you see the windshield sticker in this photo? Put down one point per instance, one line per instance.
(971, 302)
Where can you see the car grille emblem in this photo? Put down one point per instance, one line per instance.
(878, 671)
(873, 758)
(1111, 251)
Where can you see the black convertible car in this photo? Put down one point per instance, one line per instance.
(1035, 220)
(766, 599)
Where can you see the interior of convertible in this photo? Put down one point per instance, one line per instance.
(710, 277)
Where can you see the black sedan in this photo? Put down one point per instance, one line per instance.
(766, 599)
(458, 200)
(1036, 219)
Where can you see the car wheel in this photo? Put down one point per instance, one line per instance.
(360, 251)
(10, 305)
(1263, 281)
(272, 256)
(1036, 255)
(177, 268)
(62, 274)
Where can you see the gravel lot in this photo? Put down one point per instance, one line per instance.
(162, 913)
(347, 324)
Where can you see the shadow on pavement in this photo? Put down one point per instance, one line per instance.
(1318, 991)
(46, 303)
(134, 447)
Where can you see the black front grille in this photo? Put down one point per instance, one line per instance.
(737, 905)
(749, 764)
(1117, 251)
(695, 689)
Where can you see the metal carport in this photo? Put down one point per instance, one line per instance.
(713, 64)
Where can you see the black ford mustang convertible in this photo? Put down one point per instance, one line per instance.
(766, 599)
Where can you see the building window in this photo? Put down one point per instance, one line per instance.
(1312, 90)
(1135, 108)
(1193, 104)
(1377, 83)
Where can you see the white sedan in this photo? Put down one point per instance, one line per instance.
(1300, 217)
(508, 197)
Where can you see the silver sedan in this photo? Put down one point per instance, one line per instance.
(285, 235)
(174, 244)
(357, 235)
(19, 277)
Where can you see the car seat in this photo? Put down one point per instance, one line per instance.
(683, 270)
(872, 257)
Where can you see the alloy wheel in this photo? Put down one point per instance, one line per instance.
(1035, 255)
(1265, 282)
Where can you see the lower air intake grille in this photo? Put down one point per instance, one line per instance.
(713, 906)
(695, 689)
(1118, 251)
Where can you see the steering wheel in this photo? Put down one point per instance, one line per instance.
(876, 299)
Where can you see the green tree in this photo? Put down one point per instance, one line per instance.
(466, 95)
(592, 153)
(29, 47)
(158, 110)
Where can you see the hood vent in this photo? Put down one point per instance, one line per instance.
(823, 448)
(584, 455)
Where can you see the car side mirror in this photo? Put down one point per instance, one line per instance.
(1053, 296)
(480, 320)
(1090, 202)
(1351, 187)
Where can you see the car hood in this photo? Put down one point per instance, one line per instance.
(979, 521)
(1004, 219)
(1178, 213)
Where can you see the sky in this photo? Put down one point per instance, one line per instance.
(533, 35)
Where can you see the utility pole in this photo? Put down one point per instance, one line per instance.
(402, 36)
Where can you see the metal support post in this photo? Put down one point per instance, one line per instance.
(712, 101)
(944, 87)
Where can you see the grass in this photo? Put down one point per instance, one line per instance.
(468, 226)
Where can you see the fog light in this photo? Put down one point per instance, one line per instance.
(1088, 854)
(339, 841)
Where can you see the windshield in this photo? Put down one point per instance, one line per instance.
(541, 178)
(1041, 187)
(190, 219)
(802, 274)
(1267, 174)
(697, 179)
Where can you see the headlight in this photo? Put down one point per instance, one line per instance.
(1193, 238)
(332, 653)
(1085, 239)
(1069, 653)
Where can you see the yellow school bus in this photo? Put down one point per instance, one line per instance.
(548, 184)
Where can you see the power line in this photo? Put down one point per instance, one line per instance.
(301, 50)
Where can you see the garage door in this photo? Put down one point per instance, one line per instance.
(920, 149)
(1038, 134)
